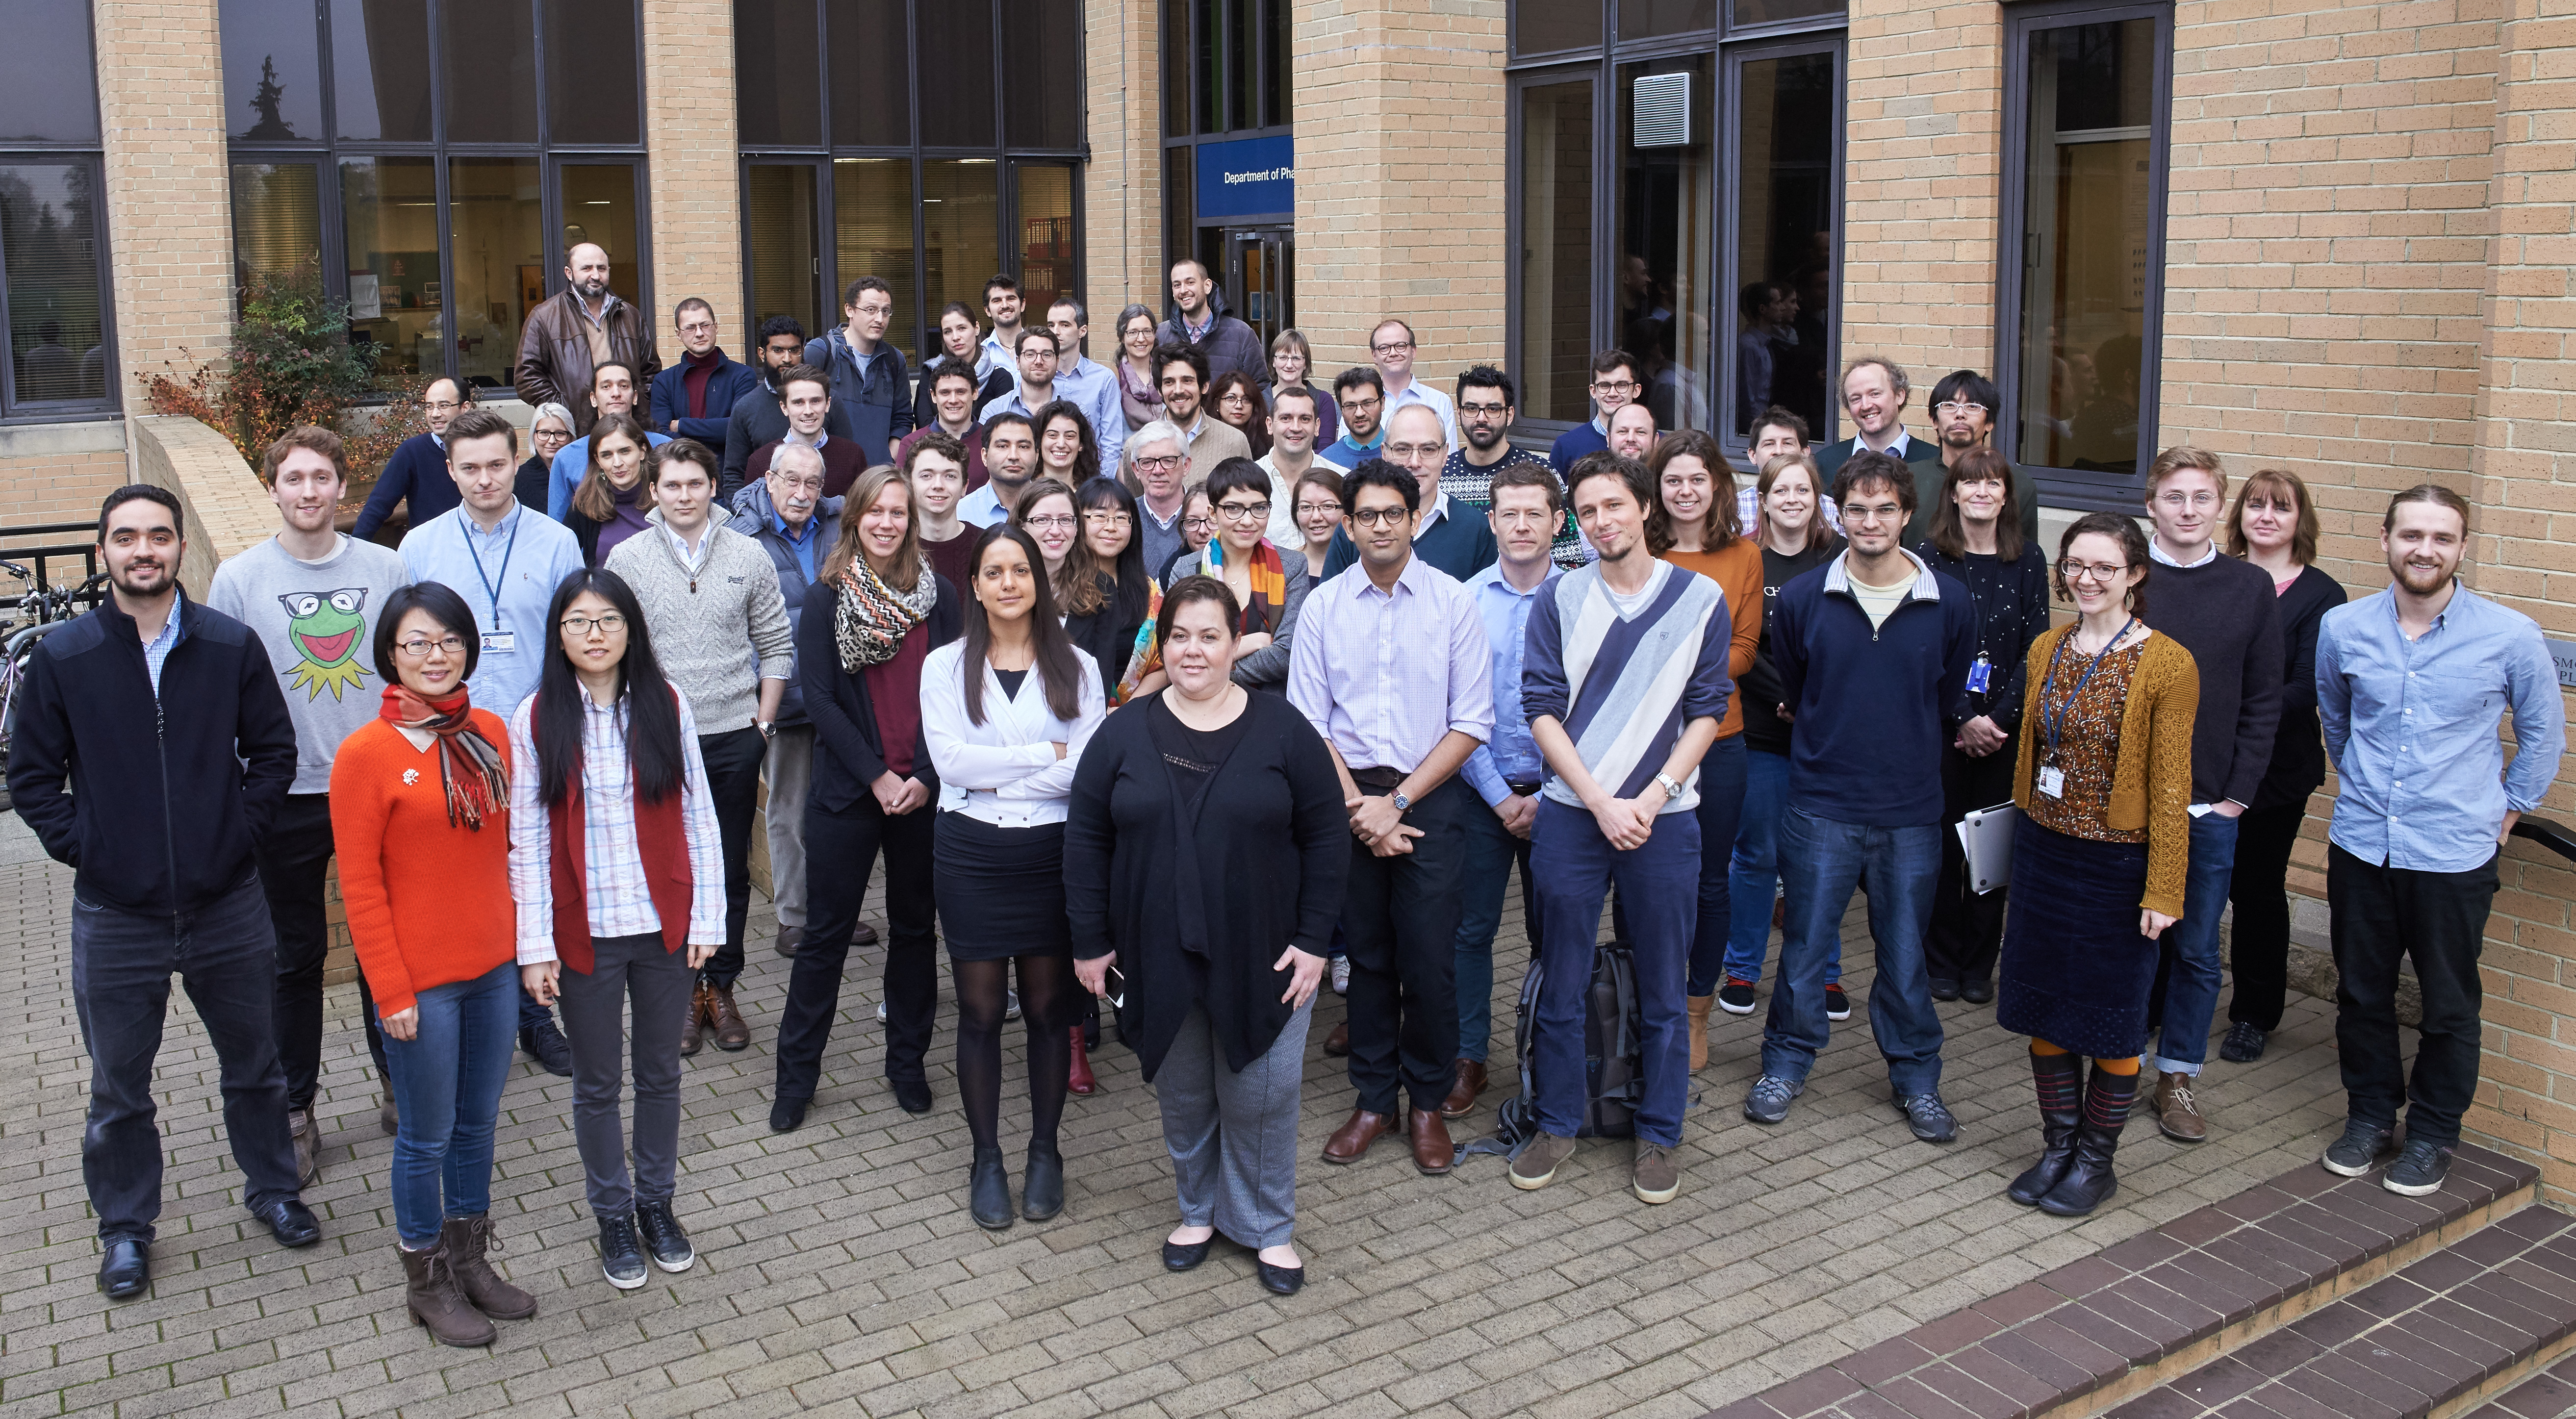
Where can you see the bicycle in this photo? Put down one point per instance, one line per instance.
(40, 614)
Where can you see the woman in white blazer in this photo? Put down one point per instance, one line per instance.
(1005, 711)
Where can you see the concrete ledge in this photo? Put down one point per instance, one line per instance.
(105, 435)
(223, 507)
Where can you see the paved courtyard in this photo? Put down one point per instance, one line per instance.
(838, 1271)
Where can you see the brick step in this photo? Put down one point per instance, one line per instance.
(2166, 1304)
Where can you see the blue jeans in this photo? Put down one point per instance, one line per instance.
(1722, 776)
(1753, 871)
(447, 1082)
(1579, 867)
(1486, 875)
(2187, 995)
(1821, 862)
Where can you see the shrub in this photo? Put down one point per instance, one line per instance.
(292, 363)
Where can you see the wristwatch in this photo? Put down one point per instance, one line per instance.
(768, 728)
(1402, 803)
(1672, 790)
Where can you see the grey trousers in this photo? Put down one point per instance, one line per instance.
(1233, 1137)
(789, 772)
(594, 1011)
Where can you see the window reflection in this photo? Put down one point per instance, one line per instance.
(1545, 26)
(277, 220)
(2090, 223)
(49, 236)
(497, 239)
(490, 55)
(872, 231)
(871, 85)
(380, 70)
(956, 47)
(1556, 250)
(1784, 232)
(272, 73)
(591, 90)
(1646, 19)
(1046, 236)
(389, 230)
(961, 210)
(1761, 12)
(52, 92)
(781, 220)
(1665, 198)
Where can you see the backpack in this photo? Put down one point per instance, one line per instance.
(1614, 1071)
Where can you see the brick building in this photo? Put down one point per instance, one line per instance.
(2328, 235)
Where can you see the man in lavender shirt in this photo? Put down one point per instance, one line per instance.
(1391, 666)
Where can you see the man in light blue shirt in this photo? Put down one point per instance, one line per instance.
(612, 391)
(2411, 686)
(1360, 393)
(1507, 769)
(503, 560)
(1391, 348)
(1092, 387)
(1000, 350)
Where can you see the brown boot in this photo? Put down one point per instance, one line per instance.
(1338, 1043)
(1080, 1080)
(1698, 1006)
(308, 1145)
(466, 1240)
(435, 1302)
(693, 1034)
(732, 1031)
(1462, 1094)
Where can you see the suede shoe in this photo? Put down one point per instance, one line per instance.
(1353, 1138)
(1462, 1094)
(1768, 1100)
(1539, 1159)
(2419, 1168)
(1657, 1177)
(2177, 1112)
(291, 1222)
(911, 1095)
(1433, 1153)
(2360, 1148)
(468, 1244)
(787, 1115)
(308, 1146)
(125, 1268)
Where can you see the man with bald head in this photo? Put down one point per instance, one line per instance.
(583, 325)
(1449, 535)
(1632, 431)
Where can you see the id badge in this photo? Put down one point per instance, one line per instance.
(1980, 675)
(500, 642)
(2052, 781)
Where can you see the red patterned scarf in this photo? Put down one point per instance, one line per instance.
(468, 766)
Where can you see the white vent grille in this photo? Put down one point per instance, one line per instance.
(1663, 110)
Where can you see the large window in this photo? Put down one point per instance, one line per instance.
(2084, 186)
(57, 352)
(850, 169)
(1676, 189)
(1229, 191)
(433, 161)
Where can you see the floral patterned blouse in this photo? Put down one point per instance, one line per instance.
(2088, 741)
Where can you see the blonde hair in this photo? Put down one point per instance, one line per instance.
(1818, 532)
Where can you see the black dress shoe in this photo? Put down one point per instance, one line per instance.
(988, 1191)
(786, 1115)
(126, 1270)
(912, 1094)
(1944, 988)
(1177, 1257)
(1042, 1184)
(1280, 1280)
(291, 1221)
(1976, 992)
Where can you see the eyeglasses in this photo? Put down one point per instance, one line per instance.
(2178, 499)
(1407, 452)
(1886, 512)
(1158, 465)
(1243, 512)
(698, 327)
(442, 406)
(1357, 406)
(607, 625)
(1107, 519)
(792, 483)
(1054, 522)
(876, 310)
(1952, 407)
(1307, 510)
(1199, 524)
(2099, 573)
(1482, 411)
(1391, 346)
(418, 647)
(1382, 516)
(1613, 387)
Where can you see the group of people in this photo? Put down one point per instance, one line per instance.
(1145, 726)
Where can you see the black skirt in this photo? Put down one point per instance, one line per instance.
(2075, 971)
(1000, 890)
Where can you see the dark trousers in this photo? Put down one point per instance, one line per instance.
(1400, 915)
(1967, 929)
(733, 782)
(294, 860)
(1720, 814)
(2438, 918)
(639, 978)
(1662, 878)
(2260, 892)
(225, 954)
(842, 849)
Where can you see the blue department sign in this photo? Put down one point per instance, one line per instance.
(1250, 177)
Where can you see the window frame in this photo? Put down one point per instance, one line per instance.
(2083, 489)
(330, 150)
(1257, 70)
(92, 155)
(1005, 155)
(1730, 235)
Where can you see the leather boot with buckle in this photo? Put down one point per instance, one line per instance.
(693, 1034)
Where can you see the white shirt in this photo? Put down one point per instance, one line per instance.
(2156, 552)
(1283, 530)
(1417, 392)
(1004, 771)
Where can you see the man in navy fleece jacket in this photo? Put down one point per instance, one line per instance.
(1872, 648)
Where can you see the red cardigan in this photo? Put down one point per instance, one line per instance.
(428, 901)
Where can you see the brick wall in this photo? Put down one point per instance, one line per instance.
(169, 206)
(1122, 185)
(58, 472)
(692, 171)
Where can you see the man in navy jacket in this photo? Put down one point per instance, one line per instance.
(694, 398)
(869, 379)
(164, 721)
(1873, 648)
(416, 477)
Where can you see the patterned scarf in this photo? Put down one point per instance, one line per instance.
(1269, 582)
(870, 623)
(1147, 655)
(469, 768)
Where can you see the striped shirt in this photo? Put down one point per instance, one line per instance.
(612, 853)
(1623, 679)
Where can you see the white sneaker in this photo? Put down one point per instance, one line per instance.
(881, 1012)
(1341, 975)
(1010, 1005)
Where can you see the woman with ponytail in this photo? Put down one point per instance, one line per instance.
(618, 871)
(419, 809)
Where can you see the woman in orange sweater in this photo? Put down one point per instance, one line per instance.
(1692, 526)
(419, 807)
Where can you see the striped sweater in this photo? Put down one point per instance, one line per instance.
(1623, 685)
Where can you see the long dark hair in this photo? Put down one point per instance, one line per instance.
(1256, 425)
(652, 709)
(1086, 464)
(1949, 526)
(1128, 600)
(1058, 664)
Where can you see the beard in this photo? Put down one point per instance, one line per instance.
(2421, 581)
(1482, 437)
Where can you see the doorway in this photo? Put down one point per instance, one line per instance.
(1261, 273)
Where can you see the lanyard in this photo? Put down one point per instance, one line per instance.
(493, 583)
(2053, 716)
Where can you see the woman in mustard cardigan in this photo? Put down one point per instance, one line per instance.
(2104, 786)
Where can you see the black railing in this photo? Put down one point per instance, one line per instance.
(2554, 836)
(38, 557)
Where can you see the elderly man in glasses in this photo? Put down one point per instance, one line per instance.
(1963, 414)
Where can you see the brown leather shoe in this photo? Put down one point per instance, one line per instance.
(1432, 1150)
(308, 1145)
(1462, 1095)
(1338, 1043)
(693, 1033)
(2177, 1113)
(1354, 1136)
(863, 935)
(732, 1031)
(789, 938)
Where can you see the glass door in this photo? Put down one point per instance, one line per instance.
(782, 239)
(1261, 271)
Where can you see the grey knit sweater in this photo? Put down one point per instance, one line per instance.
(708, 630)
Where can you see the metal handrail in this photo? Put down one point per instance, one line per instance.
(22, 545)
(2556, 837)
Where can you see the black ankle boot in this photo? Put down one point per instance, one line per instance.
(2059, 1079)
(1042, 1183)
(2089, 1182)
(989, 1191)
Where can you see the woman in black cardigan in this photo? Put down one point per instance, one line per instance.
(1976, 537)
(1207, 829)
(2274, 526)
(859, 664)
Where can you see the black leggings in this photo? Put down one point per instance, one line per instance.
(1050, 1004)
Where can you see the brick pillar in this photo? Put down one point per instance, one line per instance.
(694, 175)
(1122, 184)
(1400, 179)
(169, 199)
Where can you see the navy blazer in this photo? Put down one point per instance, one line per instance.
(730, 380)
(417, 473)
